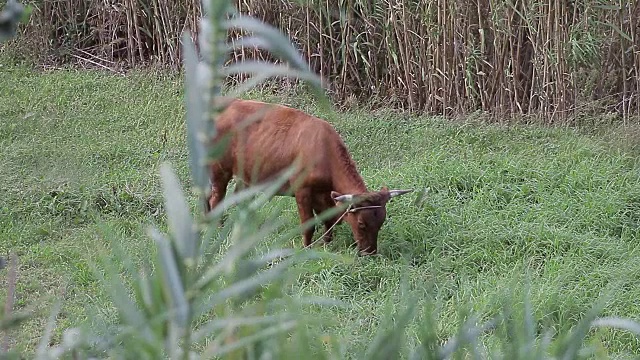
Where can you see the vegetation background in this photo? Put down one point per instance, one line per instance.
(526, 236)
(557, 61)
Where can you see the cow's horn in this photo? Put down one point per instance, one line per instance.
(346, 197)
(394, 193)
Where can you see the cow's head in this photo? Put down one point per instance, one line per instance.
(366, 215)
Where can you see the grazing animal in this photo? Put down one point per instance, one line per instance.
(265, 139)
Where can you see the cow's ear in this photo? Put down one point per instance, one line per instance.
(384, 194)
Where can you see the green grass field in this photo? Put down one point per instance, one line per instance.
(79, 160)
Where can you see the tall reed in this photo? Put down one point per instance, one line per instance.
(444, 57)
(103, 33)
(514, 57)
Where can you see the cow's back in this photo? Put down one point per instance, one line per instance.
(267, 138)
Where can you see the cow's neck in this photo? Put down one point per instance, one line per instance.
(346, 178)
(346, 183)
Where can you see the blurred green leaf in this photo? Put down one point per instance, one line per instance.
(468, 334)
(178, 216)
(129, 313)
(41, 352)
(10, 16)
(211, 327)
(237, 198)
(13, 320)
(262, 71)
(240, 287)
(197, 129)
(429, 341)
(277, 42)
(217, 350)
(389, 339)
(174, 286)
(571, 343)
(233, 255)
(388, 342)
(618, 323)
(217, 9)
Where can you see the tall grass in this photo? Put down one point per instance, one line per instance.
(557, 60)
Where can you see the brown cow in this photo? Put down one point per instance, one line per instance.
(266, 138)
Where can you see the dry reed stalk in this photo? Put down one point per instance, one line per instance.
(441, 57)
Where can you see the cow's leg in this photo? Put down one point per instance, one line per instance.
(219, 184)
(304, 200)
(323, 202)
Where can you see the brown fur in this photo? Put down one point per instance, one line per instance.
(265, 139)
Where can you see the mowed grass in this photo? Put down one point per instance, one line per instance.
(509, 211)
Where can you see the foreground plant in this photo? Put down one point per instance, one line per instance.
(10, 16)
(206, 293)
